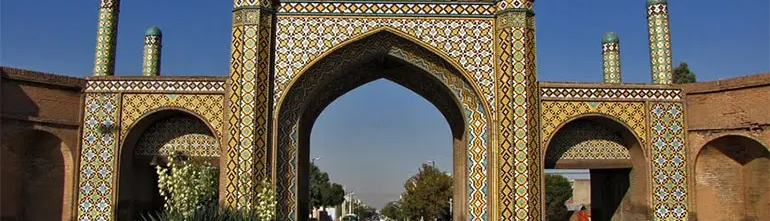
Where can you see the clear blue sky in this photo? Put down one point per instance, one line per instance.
(377, 124)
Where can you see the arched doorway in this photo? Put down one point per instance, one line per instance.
(732, 176)
(382, 54)
(615, 161)
(34, 164)
(149, 142)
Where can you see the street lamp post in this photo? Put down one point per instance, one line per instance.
(315, 158)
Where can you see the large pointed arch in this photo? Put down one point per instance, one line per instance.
(384, 53)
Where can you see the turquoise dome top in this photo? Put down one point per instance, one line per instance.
(610, 37)
(153, 31)
(655, 2)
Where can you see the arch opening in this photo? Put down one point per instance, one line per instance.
(382, 55)
(34, 161)
(147, 144)
(607, 167)
(732, 176)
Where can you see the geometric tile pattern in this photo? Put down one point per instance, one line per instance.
(586, 140)
(660, 42)
(611, 64)
(151, 63)
(467, 43)
(554, 114)
(392, 9)
(185, 134)
(106, 38)
(249, 96)
(334, 65)
(96, 186)
(503, 5)
(157, 85)
(209, 107)
(594, 93)
(667, 144)
(517, 97)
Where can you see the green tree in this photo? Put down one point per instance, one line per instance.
(557, 191)
(323, 193)
(682, 74)
(427, 194)
(364, 211)
(393, 210)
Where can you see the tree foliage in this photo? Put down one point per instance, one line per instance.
(364, 211)
(393, 210)
(323, 193)
(682, 74)
(557, 191)
(427, 194)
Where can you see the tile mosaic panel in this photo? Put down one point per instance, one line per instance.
(586, 140)
(519, 156)
(466, 42)
(154, 86)
(208, 106)
(387, 8)
(96, 187)
(669, 172)
(250, 105)
(554, 93)
(556, 113)
(185, 134)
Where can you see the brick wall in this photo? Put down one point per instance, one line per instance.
(736, 110)
(39, 112)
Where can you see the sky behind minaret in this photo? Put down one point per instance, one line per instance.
(376, 136)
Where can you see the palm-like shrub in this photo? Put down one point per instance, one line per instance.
(187, 186)
(190, 189)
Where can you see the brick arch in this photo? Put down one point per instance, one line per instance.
(372, 53)
(16, 159)
(732, 178)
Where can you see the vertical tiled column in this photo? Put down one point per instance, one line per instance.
(249, 108)
(106, 38)
(98, 152)
(519, 171)
(660, 41)
(611, 57)
(151, 57)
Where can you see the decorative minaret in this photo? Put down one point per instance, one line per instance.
(611, 57)
(660, 41)
(518, 167)
(106, 38)
(152, 45)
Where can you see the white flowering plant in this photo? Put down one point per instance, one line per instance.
(190, 189)
(187, 187)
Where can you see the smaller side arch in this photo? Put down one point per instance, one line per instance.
(136, 166)
(638, 139)
(732, 178)
(39, 164)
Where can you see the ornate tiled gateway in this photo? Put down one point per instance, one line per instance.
(290, 59)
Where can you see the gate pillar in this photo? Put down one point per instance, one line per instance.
(249, 106)
(519, 182)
